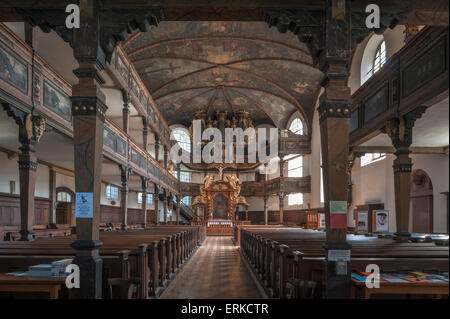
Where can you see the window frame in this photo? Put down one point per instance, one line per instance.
(110, 195)
(293, 202)
(149, 198)
(301, 127)
(185, 144)
(376, 66)
(67, 197)
(374, 157)
(297, 168)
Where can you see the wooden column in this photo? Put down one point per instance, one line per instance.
(266, 211)
(88, 111)
(156, 203)
(124, 178)
(165, 208)
(52, 192)
(157, 147)
(178, 209)
(179, 195)
(144, 184)
(282, 162)
(31, 128)
(281, 197)
(400, 132)
(166, 157)
(28, 124)
(144, 133)
(27, 176)
(334, 117)
(126, 111)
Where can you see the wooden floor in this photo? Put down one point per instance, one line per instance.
(216, 271)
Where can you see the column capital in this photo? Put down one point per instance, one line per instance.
(88, 105)
(400, 129)
(333, 109)
(145, 182)
(125, 172)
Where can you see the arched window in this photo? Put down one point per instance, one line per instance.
(64, 197)
(373, 57)
(380, 57)
(296, 126)
(183, 139)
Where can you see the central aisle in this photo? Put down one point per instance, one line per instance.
(216, 271)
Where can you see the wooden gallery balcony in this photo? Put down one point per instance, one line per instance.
(415, 76)
(32, 83)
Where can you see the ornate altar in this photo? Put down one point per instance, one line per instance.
(220, 198)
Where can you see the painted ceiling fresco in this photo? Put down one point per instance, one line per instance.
(189, 66)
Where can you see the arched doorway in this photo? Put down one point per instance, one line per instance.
(421, 202)
(65, 210)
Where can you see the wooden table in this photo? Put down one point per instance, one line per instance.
(52, 286)
(400, 288)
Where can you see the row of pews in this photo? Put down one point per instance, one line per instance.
(136, 263)
(283, 257)
(12, 233)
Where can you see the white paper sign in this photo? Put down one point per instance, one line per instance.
(322, 220)
(363, 221)
(339, 255)
(84, 205)
(382, 220)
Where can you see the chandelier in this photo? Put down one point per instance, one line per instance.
(221, 121)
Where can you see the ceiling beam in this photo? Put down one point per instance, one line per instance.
(430, 12)
(391, 150)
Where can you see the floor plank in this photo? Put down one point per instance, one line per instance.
(216, 271)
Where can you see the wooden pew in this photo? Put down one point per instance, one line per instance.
(153, 255)
(283, 255)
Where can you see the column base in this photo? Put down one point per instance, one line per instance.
(402, 237)
(336, 286)
(90, 277)
(123, 227)
(90, 264)
(26, 235)
(337, 274)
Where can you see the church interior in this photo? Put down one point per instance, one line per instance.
(109, 174)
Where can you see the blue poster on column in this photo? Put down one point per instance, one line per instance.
(84, 205)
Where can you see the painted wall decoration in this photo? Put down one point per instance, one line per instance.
(376, 104)
(122, 68)
(425, 69)
(13, 70)
(108, 138)
(121, 147)
(188, 66)
(354, 120)
(57, 101)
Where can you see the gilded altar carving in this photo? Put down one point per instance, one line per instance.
(227, 186)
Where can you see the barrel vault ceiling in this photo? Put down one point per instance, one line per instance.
(215, 66)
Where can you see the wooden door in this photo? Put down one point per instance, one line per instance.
(422, 208)
(421, 202)
(65, 214)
